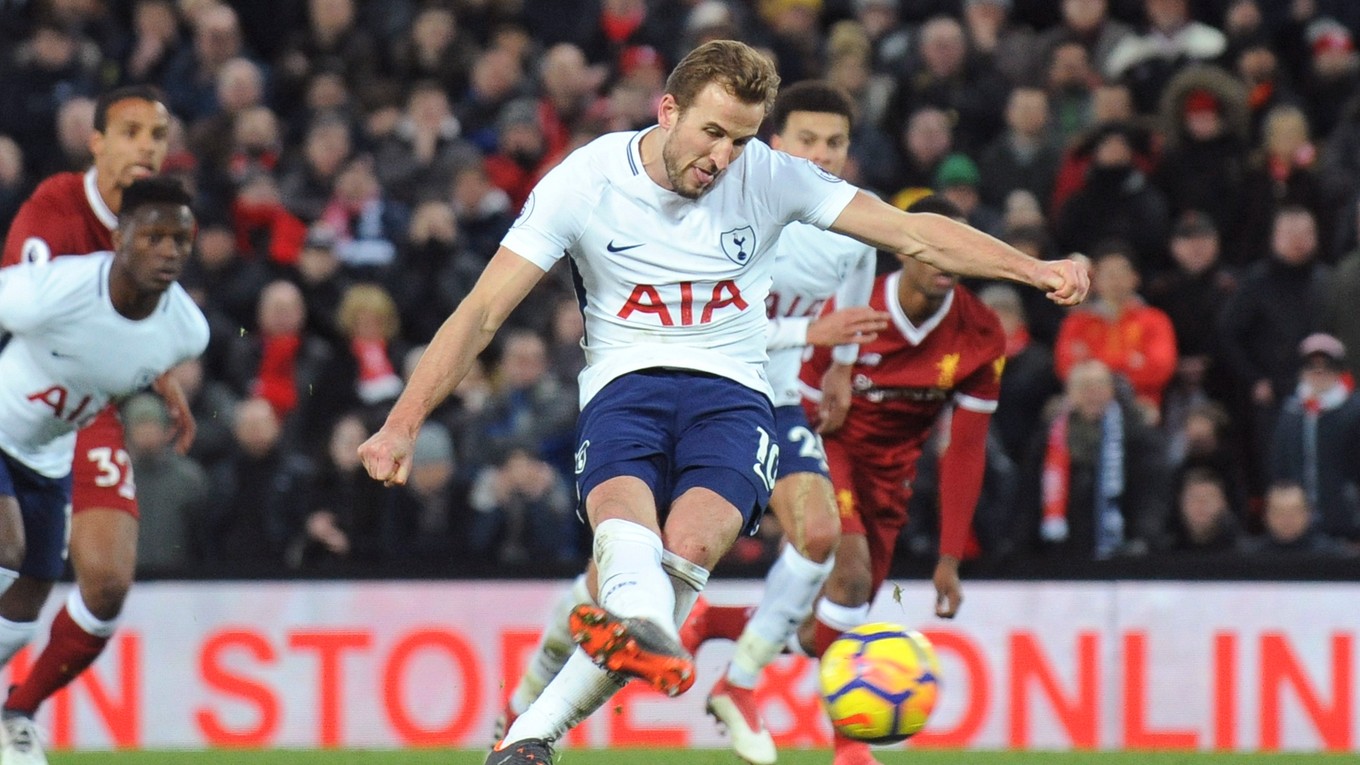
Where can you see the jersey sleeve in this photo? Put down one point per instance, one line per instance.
(24, 243)
(25, 302)
(856, 287)
(786, 332)
(800, 191)
(555, 213)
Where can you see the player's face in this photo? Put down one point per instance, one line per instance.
(156, 244)
(704, 139)
(926, 279)
(822, 138)
(135, 140)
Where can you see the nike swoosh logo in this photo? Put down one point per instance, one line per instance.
(60, 355)
(612, 248)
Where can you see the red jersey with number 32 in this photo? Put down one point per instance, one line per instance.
(906, 376)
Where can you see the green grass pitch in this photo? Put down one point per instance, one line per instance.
(680, 757)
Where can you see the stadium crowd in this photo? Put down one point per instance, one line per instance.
(355, 165)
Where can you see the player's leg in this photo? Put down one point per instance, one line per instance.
(103, 556)
(17, 483)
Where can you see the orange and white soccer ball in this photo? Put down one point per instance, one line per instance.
(879, 682)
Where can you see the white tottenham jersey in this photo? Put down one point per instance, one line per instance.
(811, 266)
(69, 352)
(666, 281)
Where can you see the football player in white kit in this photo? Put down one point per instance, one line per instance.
(75, 334)
(669, 233)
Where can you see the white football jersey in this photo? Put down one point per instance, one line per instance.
(666, 281)
(811, 266)
(68, 353)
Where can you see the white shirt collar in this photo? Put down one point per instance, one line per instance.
(101, 210)
(914, 334)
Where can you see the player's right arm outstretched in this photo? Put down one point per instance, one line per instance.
(508, 278)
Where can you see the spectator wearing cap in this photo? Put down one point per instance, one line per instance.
(1193, 293)
(172, 489)
(1332, 72)
(1317, 437)
(521, 148)
(1029, 382)
(1024, 156)
(957, 179)
(1277, 304)
(1116, 201)
(1204, 160)
(1117, 328)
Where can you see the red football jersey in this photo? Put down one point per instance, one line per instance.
(67, 216)
(64, 216)
(906, 376)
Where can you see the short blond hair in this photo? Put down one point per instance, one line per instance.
(368, 297)
(741, 70)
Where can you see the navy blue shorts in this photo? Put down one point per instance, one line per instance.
(45, 504)
(800, 448)
(677, 429)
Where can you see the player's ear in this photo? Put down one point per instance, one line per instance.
(667, 112)
(117, 237)
(95, 142)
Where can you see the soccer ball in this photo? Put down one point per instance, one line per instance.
(879, 683)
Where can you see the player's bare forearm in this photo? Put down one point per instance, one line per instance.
(177, 405)
(504, 283)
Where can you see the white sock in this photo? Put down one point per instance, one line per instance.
(842, 617)
(80, 614)
(579, 689)
(14, 636)
(632, 581)
(554, 647)
(790, 588)
(688, 579)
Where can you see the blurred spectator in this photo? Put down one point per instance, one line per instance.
(266, 230)
(518, 163)
(998, 43)
(529, 407)
(1095, 480)
(1283, 173)
(322, 281)
(497, 79)
(522, 508)
(16, 181)
(1071, 83)
(1276, 306)
(949, 81)
(1087, 22)
(212, 404)
(1116, 327)
(1171, 40)
(75, 124)
(1290, 527)
(1341, 296)
(1332, 72)
(483, 211)
(1258, 67)
(366, 223)
(1193, 294)
(418, 160)
(1203, 438)
(40, 75)
(1028, 383)
(569, 92)
(155, 40)
(332, 40)
(565, 353)
(258, 491)
(957, 180)
(226, 285)
(428, 506)
(240, 86)
(1024, 156)
(436, 48)
(1117, 201)
(436, 273)
(279, 363)
(191, 77)
(1204, 161)
(1317, 438)
(1204, 519)
(172, 489)
(889, 38)
(1042, 316)
(926, 140)
(350, 517)
(307, 183)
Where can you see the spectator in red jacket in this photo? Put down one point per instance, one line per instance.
(1132, 338)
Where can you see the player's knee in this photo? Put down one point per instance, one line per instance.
(104, 593)
(12, 554)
